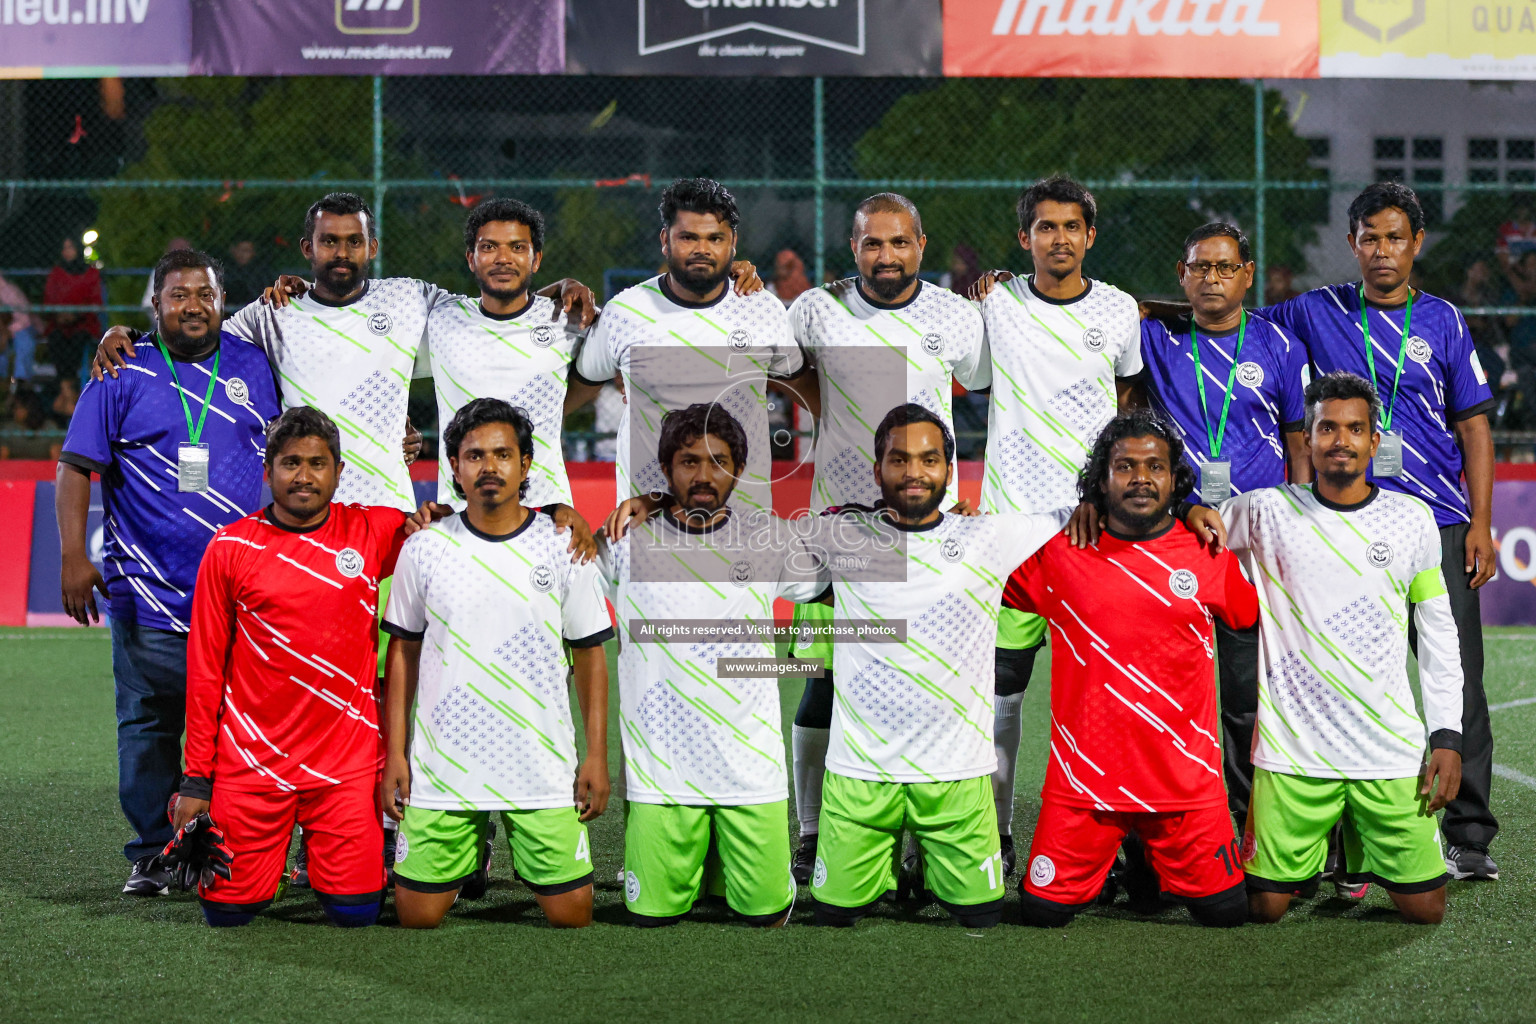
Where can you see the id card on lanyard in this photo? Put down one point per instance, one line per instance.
(1389, 453)
(1215, 473)
(192, 458)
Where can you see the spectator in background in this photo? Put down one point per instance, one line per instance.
(27, 410)
(64, 401)
(17, 338)
(789, 278)
(1517, 236)
(964, 270)
(1516, 384)
(149, 286)
(72, 282)
(1279, 285)
(245, 276)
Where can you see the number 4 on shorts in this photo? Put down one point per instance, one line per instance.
(581, 846)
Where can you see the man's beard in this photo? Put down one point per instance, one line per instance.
(886, 289)
(182, 345)
(911, 508)
(697, 279)
(501, 294)
(1140, 522)
(341, 285)
(1342, 478)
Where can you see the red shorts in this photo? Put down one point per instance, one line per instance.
(341, 829)
(1194, 853)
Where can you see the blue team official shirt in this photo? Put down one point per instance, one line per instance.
(1442, 381)
(1266, 394)
(128, 430)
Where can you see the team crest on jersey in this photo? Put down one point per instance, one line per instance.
(1042, 870)
(1250, 375)
(541, 578)
(933, 343)
(1379, 554)
(952, 550)
(741, 573)
(820, 878)
(1249, 848)
(631, 886)
(349, 563)
(543, 336)
(236, 391)
(1419, 350)
(380, 323)
(1093, 339)
(739, 339)
(1183, 583)
(402, 846)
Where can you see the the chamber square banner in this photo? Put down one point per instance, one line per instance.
(1131, 38)
(1428, 39)
(377, 37)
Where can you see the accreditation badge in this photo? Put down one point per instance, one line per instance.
(1215, 482)
(192, 467)
(1389, 455)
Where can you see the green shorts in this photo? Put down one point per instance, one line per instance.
(1019, 631)
(809, 649)
(668, 847)
(437, 850)
(1388, 838)
(954, 823)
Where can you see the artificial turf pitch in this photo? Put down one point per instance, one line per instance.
(72, 948)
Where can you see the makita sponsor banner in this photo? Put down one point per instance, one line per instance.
(377, 37)
(1428, 39)
(753, 37)
(1131, 38)
(94, 38)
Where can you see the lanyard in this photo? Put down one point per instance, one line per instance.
(1370, 356)
(193, 433)
(1213, 441)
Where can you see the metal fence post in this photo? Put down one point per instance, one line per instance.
(378, 171)
(1258, 187)
(820, 181)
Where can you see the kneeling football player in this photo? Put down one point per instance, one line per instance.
(703, 752)
(476, 680)
(1133, 688)
(282, 720)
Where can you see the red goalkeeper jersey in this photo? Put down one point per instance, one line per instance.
(1133, 680)
(282, 660)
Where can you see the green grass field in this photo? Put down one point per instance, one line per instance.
(72, 948)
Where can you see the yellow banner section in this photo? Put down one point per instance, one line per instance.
(1428, 38)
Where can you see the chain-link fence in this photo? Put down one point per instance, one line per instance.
(120, 169)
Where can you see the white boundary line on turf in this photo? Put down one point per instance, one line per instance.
(91, 635)
(1513, 776)
(1512, 704)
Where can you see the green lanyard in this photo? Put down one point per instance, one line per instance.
(193, 433)
(1213, 441)
(1370, 356)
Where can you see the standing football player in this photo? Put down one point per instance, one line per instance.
(478, 718)
(1062, 352)
(1133, 745)
(282, 718)
(1343, 565)
(876, 341)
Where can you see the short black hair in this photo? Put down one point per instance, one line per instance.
(1340, 385)
(891, 202)
(1057, 189)
(1136, 423)
(682, 427)
(477, 414)
(905, 416)
(1218, 229)
(302, 421)
(1384, 195)
(341, 204)
(504, 209)
(187, 259)
(698, 195)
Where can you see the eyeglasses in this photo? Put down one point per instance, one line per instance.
(1225, 271)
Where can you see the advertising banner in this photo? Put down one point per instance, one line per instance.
(377, 37)
(1428, 39)
(753, 37)
(94, 38)
(1509, 599)
(1131, 38)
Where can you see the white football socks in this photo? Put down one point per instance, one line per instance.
(1007, 726)
(810, 754)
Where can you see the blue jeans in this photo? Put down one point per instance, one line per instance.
(149, 667)
(24, 344)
